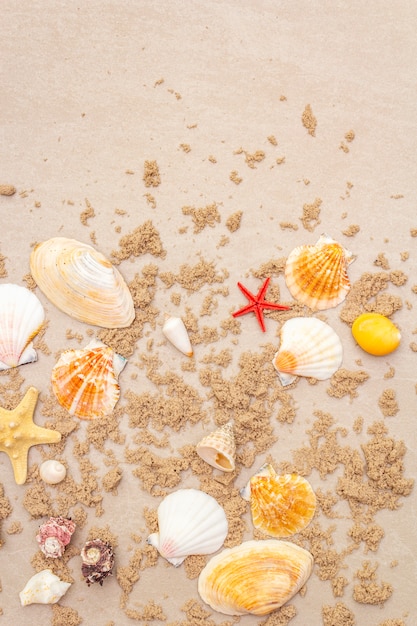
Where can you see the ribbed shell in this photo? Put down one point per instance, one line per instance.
(21, 318)
(190, 522)
(218, 448)
(308, 347)
(255, 577)
(82, 283)
(281, 505)
(316, 275)
(85, 381)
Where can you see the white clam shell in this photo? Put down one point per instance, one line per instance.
(175, 331)
(82, 283)
(52, 472)
(218, 448)
(309, 347)
(190, 522)
(21, 318)
(43, 588)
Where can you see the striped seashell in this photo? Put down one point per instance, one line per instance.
(316, 275)
(85, 382)
(218, 448)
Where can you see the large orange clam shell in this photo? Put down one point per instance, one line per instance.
(85, 381)
(316, 275)
(281, 506)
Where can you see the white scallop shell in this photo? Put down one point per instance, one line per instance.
(82, 283)
(309, 347)
(21, 318)
(52, 472)
(43, 588)
(175, 331)
(190, 522)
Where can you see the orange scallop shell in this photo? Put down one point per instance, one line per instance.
(85, 381)
(316, 275)
(281, 506)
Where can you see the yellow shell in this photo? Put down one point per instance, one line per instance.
(280, 505)
(376, 334)
(316, 275)
(82, 283)
(85, 381)
(218, 448)
(255, 577)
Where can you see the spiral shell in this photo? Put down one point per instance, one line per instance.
(308, 347)
(82, 283)
(254, 577)
(43, 588)
(280, 505)
(85, 381)
(218, 448)
(316, 275)
(376, 334)
(97, 561)
(52, 472)
(190, 522)
(21, 318)
(54, 535)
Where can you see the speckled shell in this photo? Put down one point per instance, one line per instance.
(190, 522)
(316, 275)
(21, 317)
(85, 381)
(43, 588)
(176, 332)
(308, 347)
(254, 577)
(218, 448)
(376, 334)
(82, 283)
(97, 561)
(281, 505)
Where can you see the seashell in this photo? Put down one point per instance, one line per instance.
(218, 448)
(21, 318)
(85, 381)
(254, 577)
(190, 522)
(43, 588)
(280, 505)
(376, 334)
(309, 347)
(52, 472)
(82, 283)
(54, 535)
(316, 275)
(97, 561)
(175, 331)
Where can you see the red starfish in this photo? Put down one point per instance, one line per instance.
(257, 303)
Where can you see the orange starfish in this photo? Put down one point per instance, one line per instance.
(257, 303)
(18, 433)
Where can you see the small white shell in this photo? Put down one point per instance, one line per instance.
(21, 318)
(218, 448)
(52, 472)
(309, 347)
(190, 522)
(43, 588)
(175, 331)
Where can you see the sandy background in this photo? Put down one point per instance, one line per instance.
(89, 92)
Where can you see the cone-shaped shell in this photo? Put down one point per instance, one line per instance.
(21, 318)
(43, 588)
(376, 334)
(85, 381)
(316, 275)
(255, 577)
(281, 505)
(176, 332)
(82, 283)
(190, 522)
(218, 448)
(308, 347)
